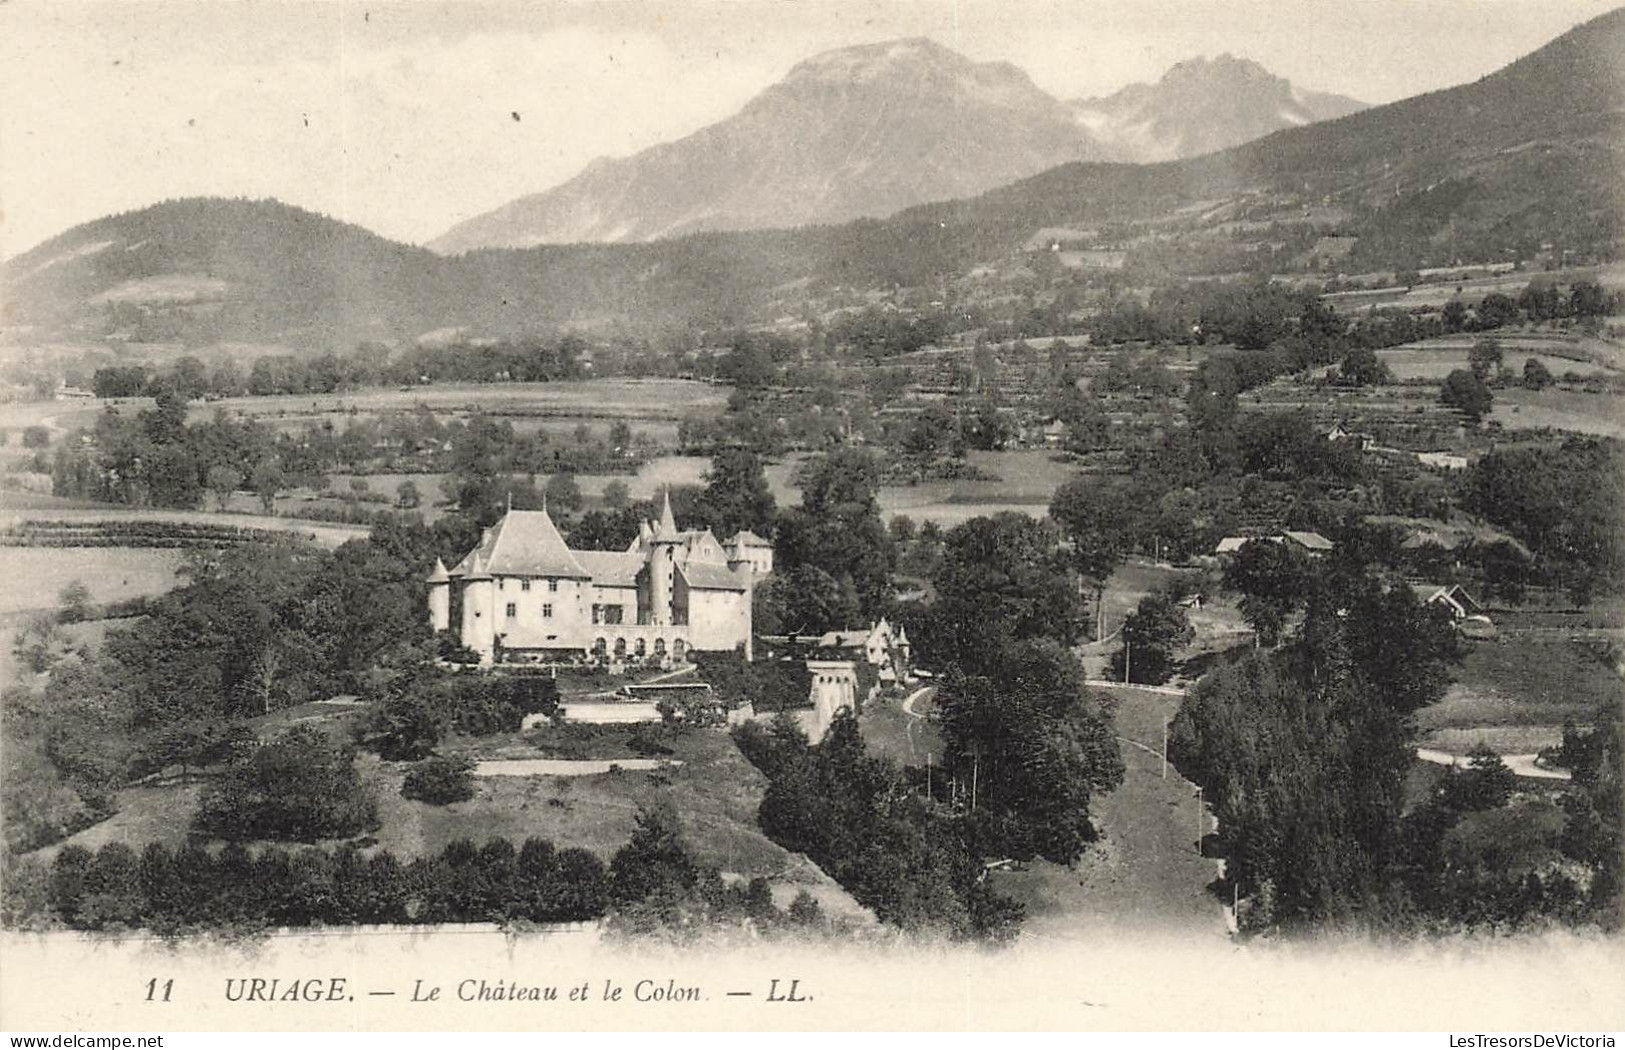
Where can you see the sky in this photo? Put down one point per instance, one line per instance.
(407, 116)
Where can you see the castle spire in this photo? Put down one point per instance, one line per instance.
(668, 524)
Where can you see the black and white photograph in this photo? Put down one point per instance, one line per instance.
(914, 515)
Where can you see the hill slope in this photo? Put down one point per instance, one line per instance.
(1493, 169)
(861, 131)
(1202, 106)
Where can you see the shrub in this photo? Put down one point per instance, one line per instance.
(440, 781)
(300, 787)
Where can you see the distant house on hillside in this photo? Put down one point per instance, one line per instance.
(1452, 596)
(1442, 460)
(1465, 611)
(1232, 544)
(1313, 543)
(1362, 440)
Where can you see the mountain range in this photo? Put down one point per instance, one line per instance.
(1203, 106)
(1527, 156)
(869, 130)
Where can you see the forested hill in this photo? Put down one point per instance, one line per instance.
(1528, 155)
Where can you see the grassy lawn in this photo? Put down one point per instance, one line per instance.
(889, 731)
(31, 577)
(716, 793)
(1145, 874)
(1518, 409)
(1512, 681)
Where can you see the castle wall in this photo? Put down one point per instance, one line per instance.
(718, 620)
(531, 626)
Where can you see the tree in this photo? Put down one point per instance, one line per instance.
(223, 481)
(1495, 311)
(300, 786)
(838, 529)
(407, 496)
(1035, 747)
(1536, 376)
(1098, 517)
(617, 495)
(74, 603)
(1362, 367)
(803, 600)
(404, 729)
(1152, 634)
(736, 495)
(36, 436)
(267, 481)
(564, 493)
(1485, 359)
(1486, 783)
(1466, 393)
(440, 781)
(1272, 581)
(655, 860)
(1001, 579)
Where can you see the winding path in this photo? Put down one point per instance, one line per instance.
(1522, 765)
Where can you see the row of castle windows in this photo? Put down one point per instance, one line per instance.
(600, 647)
(513, 611)
(524, 585)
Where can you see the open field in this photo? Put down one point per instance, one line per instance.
(1514, 682)
(17, 507)
(1471, 289)
(31, 577)
(1518, 409)
(1569, 345)
(652, 406)
(1433, 362)
(904, 738)
(716, 793)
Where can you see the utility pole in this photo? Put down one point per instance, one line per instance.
(1125, 657)
(1165, 749)
(1201, 824)
(975, 774)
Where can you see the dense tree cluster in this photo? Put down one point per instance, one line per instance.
(1564, 501)
(837, 529)
(173, 890)
(1303, 751)
(897, 853)
(300, 787)
(1034, 746)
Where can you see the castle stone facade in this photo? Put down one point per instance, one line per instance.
(524, 595)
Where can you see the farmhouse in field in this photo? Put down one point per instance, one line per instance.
(1452, 596)
(523, 595)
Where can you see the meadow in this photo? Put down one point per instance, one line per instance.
(1436, 362)
(650, 406)
(1585, 413)
(32, 577)
(716, 792)
(1516, 682)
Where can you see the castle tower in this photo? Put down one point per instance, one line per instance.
(740, 565)
(440, 597)
(662, 565)
(479, 612)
